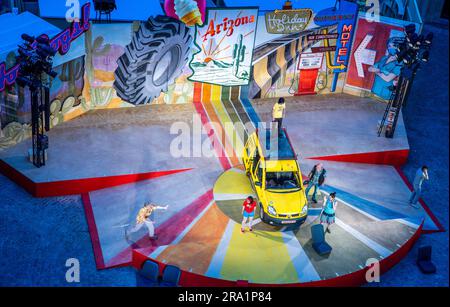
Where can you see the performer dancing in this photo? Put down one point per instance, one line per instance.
(328, 215)
(248, 212)
(144, 218)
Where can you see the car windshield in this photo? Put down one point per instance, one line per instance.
(281, 181)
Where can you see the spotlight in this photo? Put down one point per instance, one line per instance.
(420, 40)
(25, 53)
(413, 39)
(402, 55)
(410, 29)
(425, 56)
(429, 38)
(45, 51)
(43, 39)
(27, 38)
(409, 57)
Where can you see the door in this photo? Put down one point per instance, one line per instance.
(257, 176)
(249, 153)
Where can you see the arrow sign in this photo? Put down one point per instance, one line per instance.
(330, 65)
(364, 55)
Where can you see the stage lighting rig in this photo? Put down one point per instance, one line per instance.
(412, 51)
(36, 65)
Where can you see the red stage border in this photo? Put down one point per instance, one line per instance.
(354, 279)
(197, 205)
(391, 157)
(98, 255)
(77, 186)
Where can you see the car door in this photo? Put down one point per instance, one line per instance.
(257, 175)
(249, 153)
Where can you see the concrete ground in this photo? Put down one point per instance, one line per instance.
(39, 235)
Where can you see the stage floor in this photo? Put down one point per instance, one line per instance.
(215, 247)
(108, 143)
(200, 230)
(339, 127)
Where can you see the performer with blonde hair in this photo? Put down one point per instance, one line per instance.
(144, 218)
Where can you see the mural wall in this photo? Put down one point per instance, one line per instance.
(374, 67)
(162, 60)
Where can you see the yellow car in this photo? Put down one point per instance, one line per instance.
(271, 164)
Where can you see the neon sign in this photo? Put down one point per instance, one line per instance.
(343, 48)
(61, 43)
(344, 16)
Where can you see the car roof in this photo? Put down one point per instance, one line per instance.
(285, 150)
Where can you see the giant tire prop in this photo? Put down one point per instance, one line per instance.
(158, 52)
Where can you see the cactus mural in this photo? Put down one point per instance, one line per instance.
(239, 57)
(98, 96)
(70, 73)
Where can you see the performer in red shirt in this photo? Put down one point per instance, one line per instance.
(248, 211)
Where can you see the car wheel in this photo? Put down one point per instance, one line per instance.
(262, 215)
(156, 56)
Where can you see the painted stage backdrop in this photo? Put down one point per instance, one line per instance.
(161, 59)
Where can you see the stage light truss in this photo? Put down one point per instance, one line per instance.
(36, 64)
(412, 51)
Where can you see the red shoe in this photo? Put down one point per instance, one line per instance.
(251, 229)
(242, 230)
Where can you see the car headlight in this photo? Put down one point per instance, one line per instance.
(304, 210)
(272, 210)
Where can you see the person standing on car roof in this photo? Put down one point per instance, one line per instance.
(278, 113)
(316, 179)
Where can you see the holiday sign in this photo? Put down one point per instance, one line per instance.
(288, 21)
